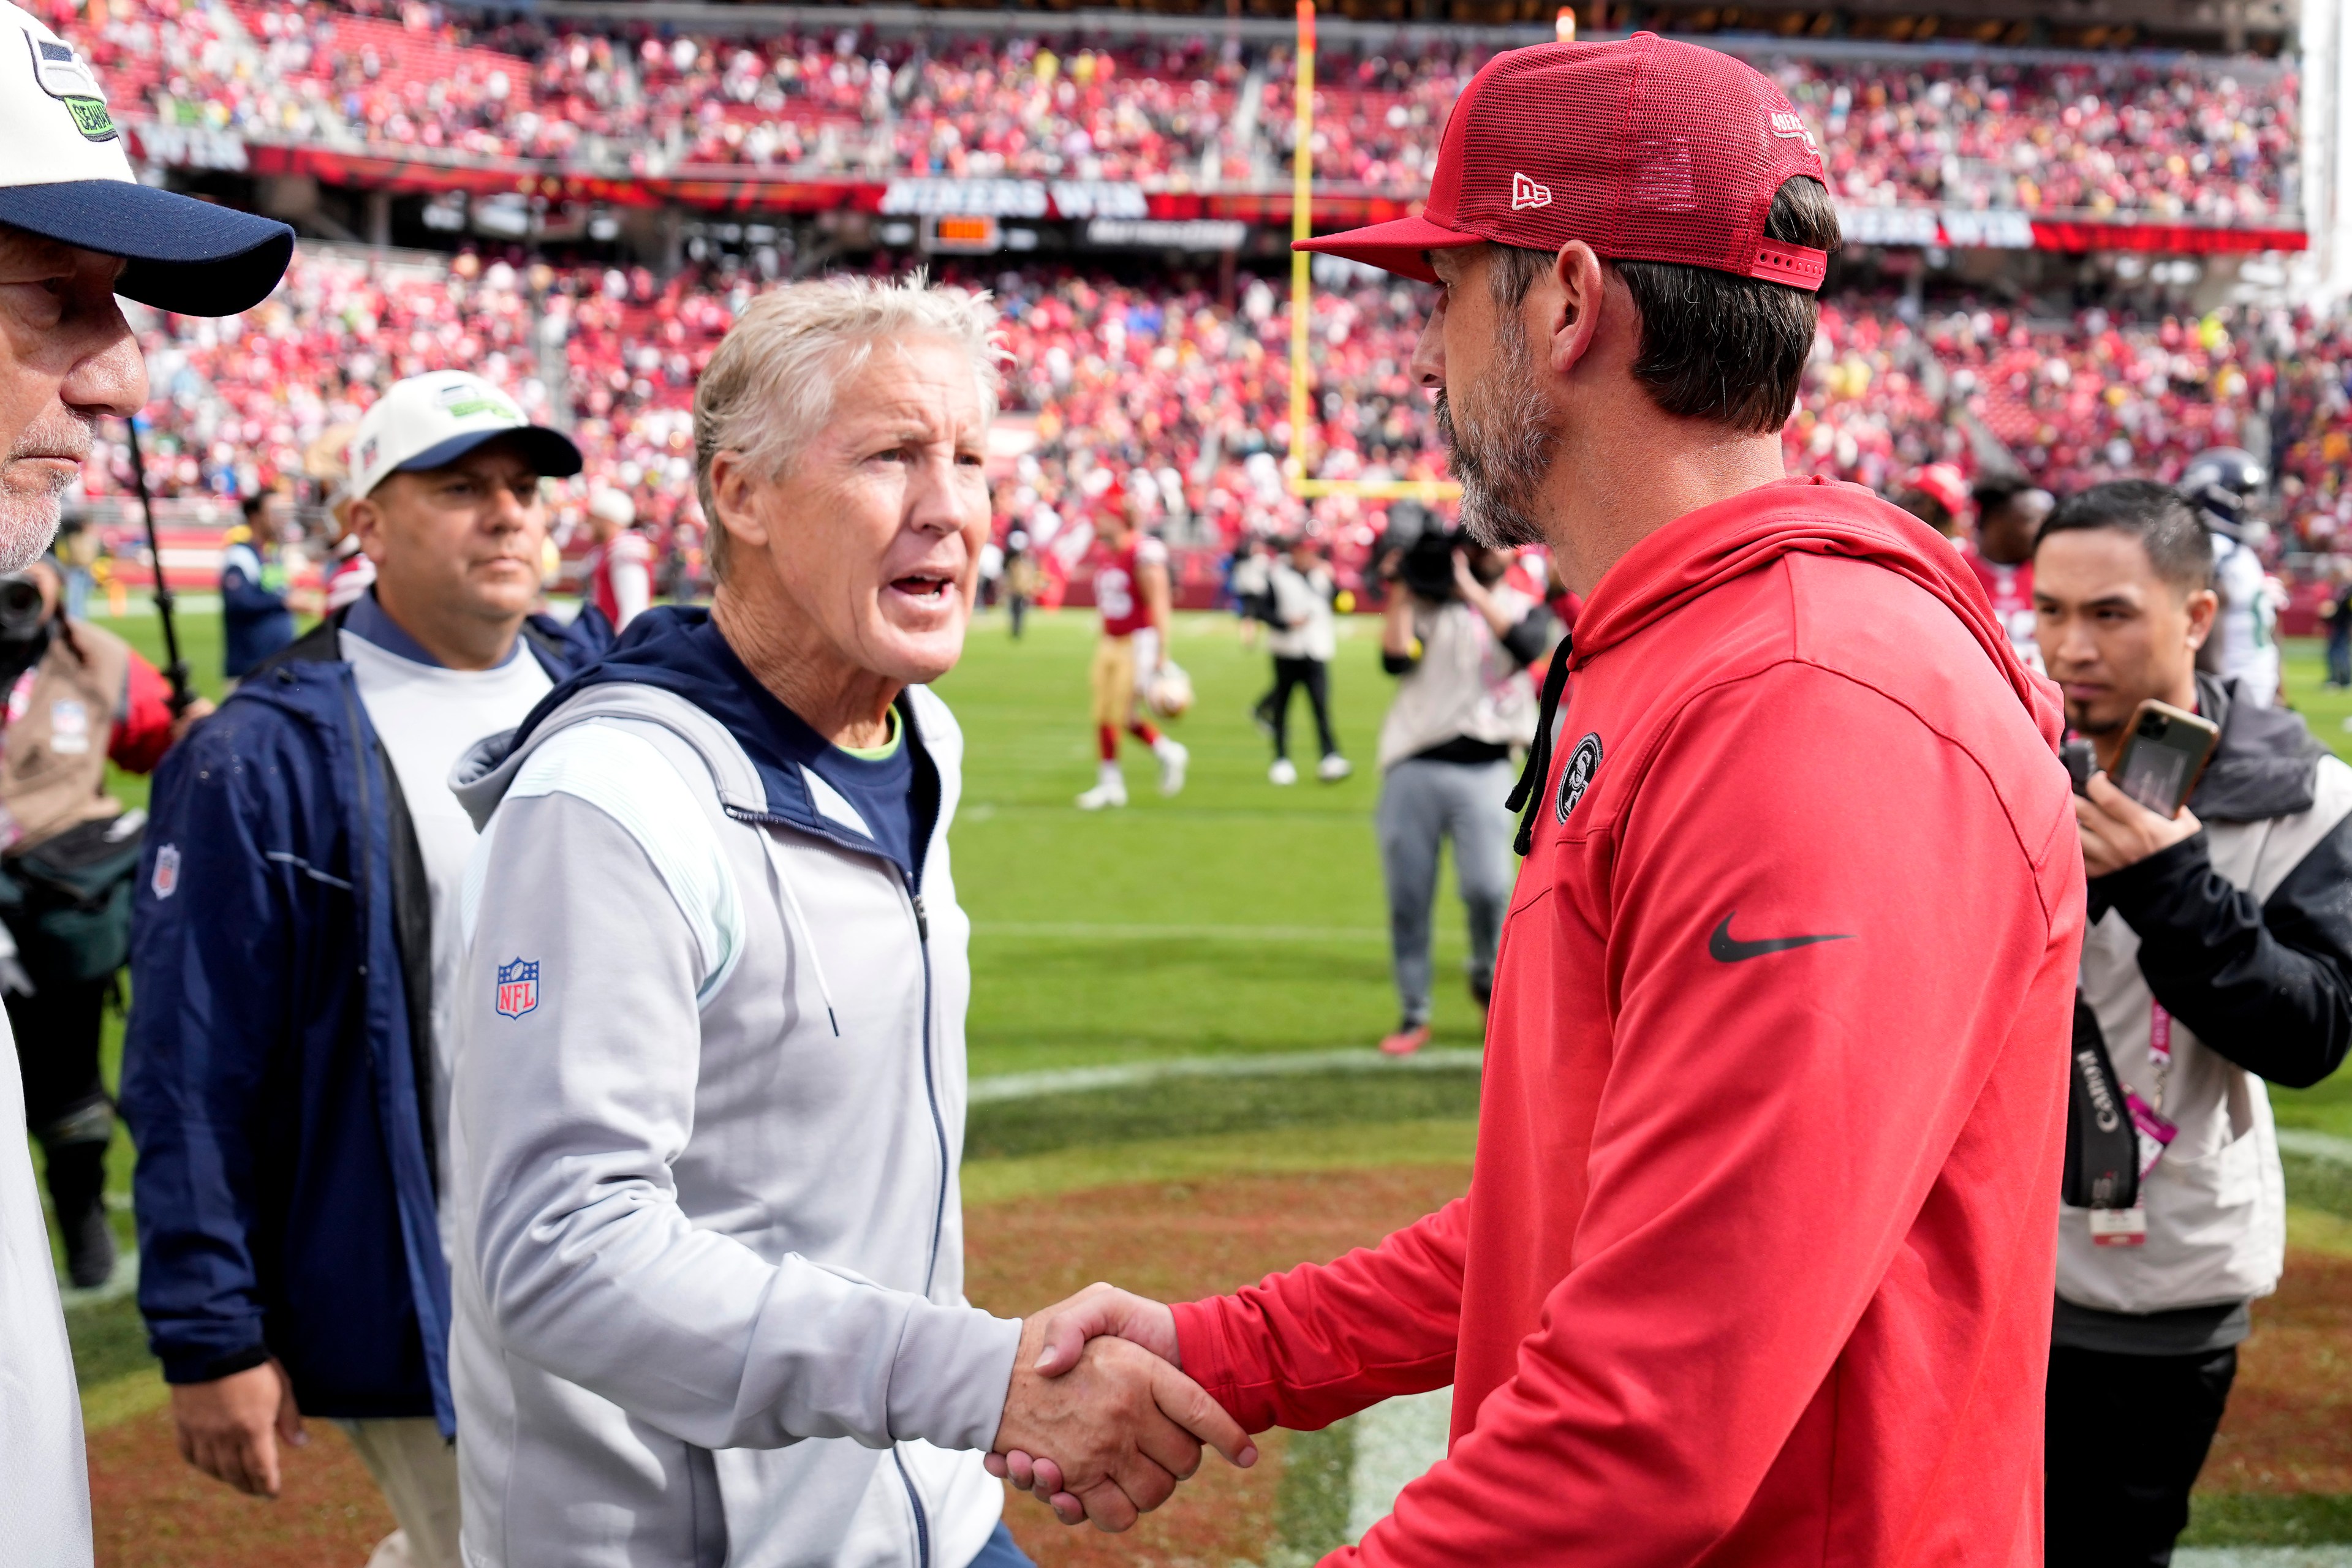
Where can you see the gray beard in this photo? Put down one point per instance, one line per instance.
(1501, 461)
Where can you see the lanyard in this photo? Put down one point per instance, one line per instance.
(20, 696)
(2155, 1132)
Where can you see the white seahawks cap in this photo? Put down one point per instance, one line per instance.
(66, 175)
(431, 421)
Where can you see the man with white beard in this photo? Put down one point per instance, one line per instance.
(76, 230)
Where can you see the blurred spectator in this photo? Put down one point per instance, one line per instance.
(1020, 580)
(1938, 496)
(619, 569)
(2009, 511)
(1303, 643)
(76, 550)
(2218, 955)
(255, 619)
(2335, 620)
(80, 698)
(286, 1063)
(1459, 638)
(1249, 583)
(349, 573)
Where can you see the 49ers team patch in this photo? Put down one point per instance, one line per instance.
(518, 988)
(1577, 776)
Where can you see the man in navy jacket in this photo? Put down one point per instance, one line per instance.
(292, 943)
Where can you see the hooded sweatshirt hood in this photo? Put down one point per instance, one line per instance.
(1703, 549)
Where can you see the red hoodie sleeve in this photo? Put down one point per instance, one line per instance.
(143, 729)
(1303, 1349)
(1766, 1141)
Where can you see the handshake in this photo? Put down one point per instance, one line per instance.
(1099, 1422)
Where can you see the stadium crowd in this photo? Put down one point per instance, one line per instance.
(1117, 378)
(2169, 141)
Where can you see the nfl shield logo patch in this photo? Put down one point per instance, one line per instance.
(518, 988)
(166, 880)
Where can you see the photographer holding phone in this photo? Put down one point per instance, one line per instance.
(2219, 956)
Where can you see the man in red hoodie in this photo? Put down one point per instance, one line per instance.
(1755, 1262)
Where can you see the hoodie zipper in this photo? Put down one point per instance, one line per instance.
(930, 1086)
(915, 1501)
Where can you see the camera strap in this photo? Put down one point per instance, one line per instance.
(2102, 1164)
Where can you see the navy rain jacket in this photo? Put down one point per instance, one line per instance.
(271, 1077)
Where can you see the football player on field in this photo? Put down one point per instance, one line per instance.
(1132, 592)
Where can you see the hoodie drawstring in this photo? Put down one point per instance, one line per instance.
(795, 916)
(1524, 793)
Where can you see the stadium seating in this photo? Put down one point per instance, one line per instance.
(1164, 393)
(2098, 137)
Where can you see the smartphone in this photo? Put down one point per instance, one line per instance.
(2164, 756)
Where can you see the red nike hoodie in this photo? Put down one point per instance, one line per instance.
(1757, 1260)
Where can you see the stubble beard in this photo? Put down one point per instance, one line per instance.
(1501, 457)
(29, 507)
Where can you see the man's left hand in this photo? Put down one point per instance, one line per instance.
(2117, 830)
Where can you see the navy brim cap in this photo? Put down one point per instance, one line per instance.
(550, 450)
(188, 256)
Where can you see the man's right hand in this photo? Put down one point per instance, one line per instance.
(1124, 1425)
(230, 1428)
(1061, 1335)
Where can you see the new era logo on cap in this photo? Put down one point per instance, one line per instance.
(1646, 149)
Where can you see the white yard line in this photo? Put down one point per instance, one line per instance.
(1089, 931)
(1397, 1441)
(1136, 1074)
(2315, 1146)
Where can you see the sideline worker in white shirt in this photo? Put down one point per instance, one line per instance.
(76, 230)
(709, 1093)
(295, 946)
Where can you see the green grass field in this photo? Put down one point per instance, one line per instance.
(1240, 921)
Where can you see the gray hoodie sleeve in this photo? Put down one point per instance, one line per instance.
(570, 1103)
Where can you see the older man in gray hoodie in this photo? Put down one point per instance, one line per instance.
(709, 1092)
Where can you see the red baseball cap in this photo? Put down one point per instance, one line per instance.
(1647, 149)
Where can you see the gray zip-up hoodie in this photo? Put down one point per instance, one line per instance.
(707, 1106)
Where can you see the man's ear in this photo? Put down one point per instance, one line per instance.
(1575, 312)
(731, 484)
(366, 523)
(2202, 606)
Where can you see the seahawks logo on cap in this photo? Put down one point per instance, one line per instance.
(463, 399)
(59, 72)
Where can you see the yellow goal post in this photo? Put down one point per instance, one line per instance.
(1302, 294)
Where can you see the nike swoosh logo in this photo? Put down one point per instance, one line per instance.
(1724, 948)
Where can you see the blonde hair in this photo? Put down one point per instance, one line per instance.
(771, 386)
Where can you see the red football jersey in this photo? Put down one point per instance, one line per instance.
(1119, 586)
(2011, 589)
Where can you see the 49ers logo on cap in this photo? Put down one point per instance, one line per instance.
(1790, 125)
(1526, 193)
